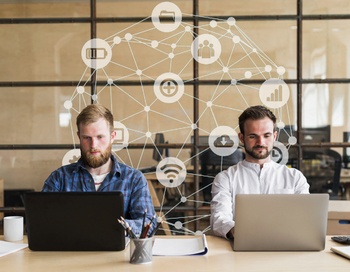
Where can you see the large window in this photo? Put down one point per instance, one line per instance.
(46, 79)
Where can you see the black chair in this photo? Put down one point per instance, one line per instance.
(322, 170)
(212, 164)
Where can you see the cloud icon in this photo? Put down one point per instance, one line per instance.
(223, 141)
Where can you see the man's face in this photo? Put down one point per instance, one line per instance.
(258, 139)
(95, 143)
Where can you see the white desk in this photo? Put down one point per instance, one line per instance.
(219, 258)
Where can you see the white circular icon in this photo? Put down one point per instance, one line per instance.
(168, 87)
(206, 49)
(122, 136)
(279, 153)
(274, 93)
(166, 17)
(223, 141)
(171, 172)
(71, 156)
(96, 53)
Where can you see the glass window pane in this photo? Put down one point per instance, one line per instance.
(138, 8)
(249, 51)
(28, 169)
(44, 9)
(141, 52)
(325, 49)
(36, 115)
(251, 7)
(42, 52)
(326, 7)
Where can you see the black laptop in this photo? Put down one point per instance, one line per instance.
(74, 221)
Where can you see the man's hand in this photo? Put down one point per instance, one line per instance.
(230, 234)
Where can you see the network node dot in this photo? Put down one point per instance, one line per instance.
(209, 104)
(138, 72)
(225, 69)
(68, 104)
(154, 44)
(292, 140)
(248, 74)
(187, 29)
(281, 70)
(194, 126)
(128, 36)
(254, 50)
(147, 109)
(268, 68)
(148, 134)
(280, 125)
(231, 21)
(173, 45)
(110, 81)
(233, 81)
(236, 39)
(94, 97)
(183, 199)
(213, 23)
(117, 40)
(80, 89)
(171, 55)
(178, 225)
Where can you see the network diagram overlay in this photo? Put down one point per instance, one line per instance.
(158, 54)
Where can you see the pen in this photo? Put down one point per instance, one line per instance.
(143, 221)
(127, 227)
(156, 228)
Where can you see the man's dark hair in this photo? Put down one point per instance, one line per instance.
(255, 113)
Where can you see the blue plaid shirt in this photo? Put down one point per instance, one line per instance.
(131, 182)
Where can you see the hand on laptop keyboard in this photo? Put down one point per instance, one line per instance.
(341, 239)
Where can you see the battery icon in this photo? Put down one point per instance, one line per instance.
(96, 53)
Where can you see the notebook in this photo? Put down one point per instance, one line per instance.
(74, 221)
(280, 222)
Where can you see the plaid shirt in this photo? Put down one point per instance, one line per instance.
(131, 182)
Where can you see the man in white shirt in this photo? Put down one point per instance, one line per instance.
(257, 174)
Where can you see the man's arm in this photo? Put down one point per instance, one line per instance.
(221, 206)
(140, 201)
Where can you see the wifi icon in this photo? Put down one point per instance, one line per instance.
(171, 172)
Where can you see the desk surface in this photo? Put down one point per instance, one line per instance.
(219, 258)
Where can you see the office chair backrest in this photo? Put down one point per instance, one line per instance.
(322, 170)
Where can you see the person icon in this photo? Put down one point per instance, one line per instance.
(206, 50)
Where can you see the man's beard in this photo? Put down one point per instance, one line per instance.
(258, 155)
(96, 161)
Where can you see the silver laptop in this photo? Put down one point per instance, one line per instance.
(281, 222)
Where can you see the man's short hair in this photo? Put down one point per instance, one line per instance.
(92, 113)
(255, 113)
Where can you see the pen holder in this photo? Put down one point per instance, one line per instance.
(141, 250)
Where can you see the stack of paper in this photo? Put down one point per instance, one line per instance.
(8, 248)
(193, 245)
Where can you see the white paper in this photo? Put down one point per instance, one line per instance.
(8, 247)
(194, 245)
(342, 250)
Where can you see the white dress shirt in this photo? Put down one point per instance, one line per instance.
(249, 178)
